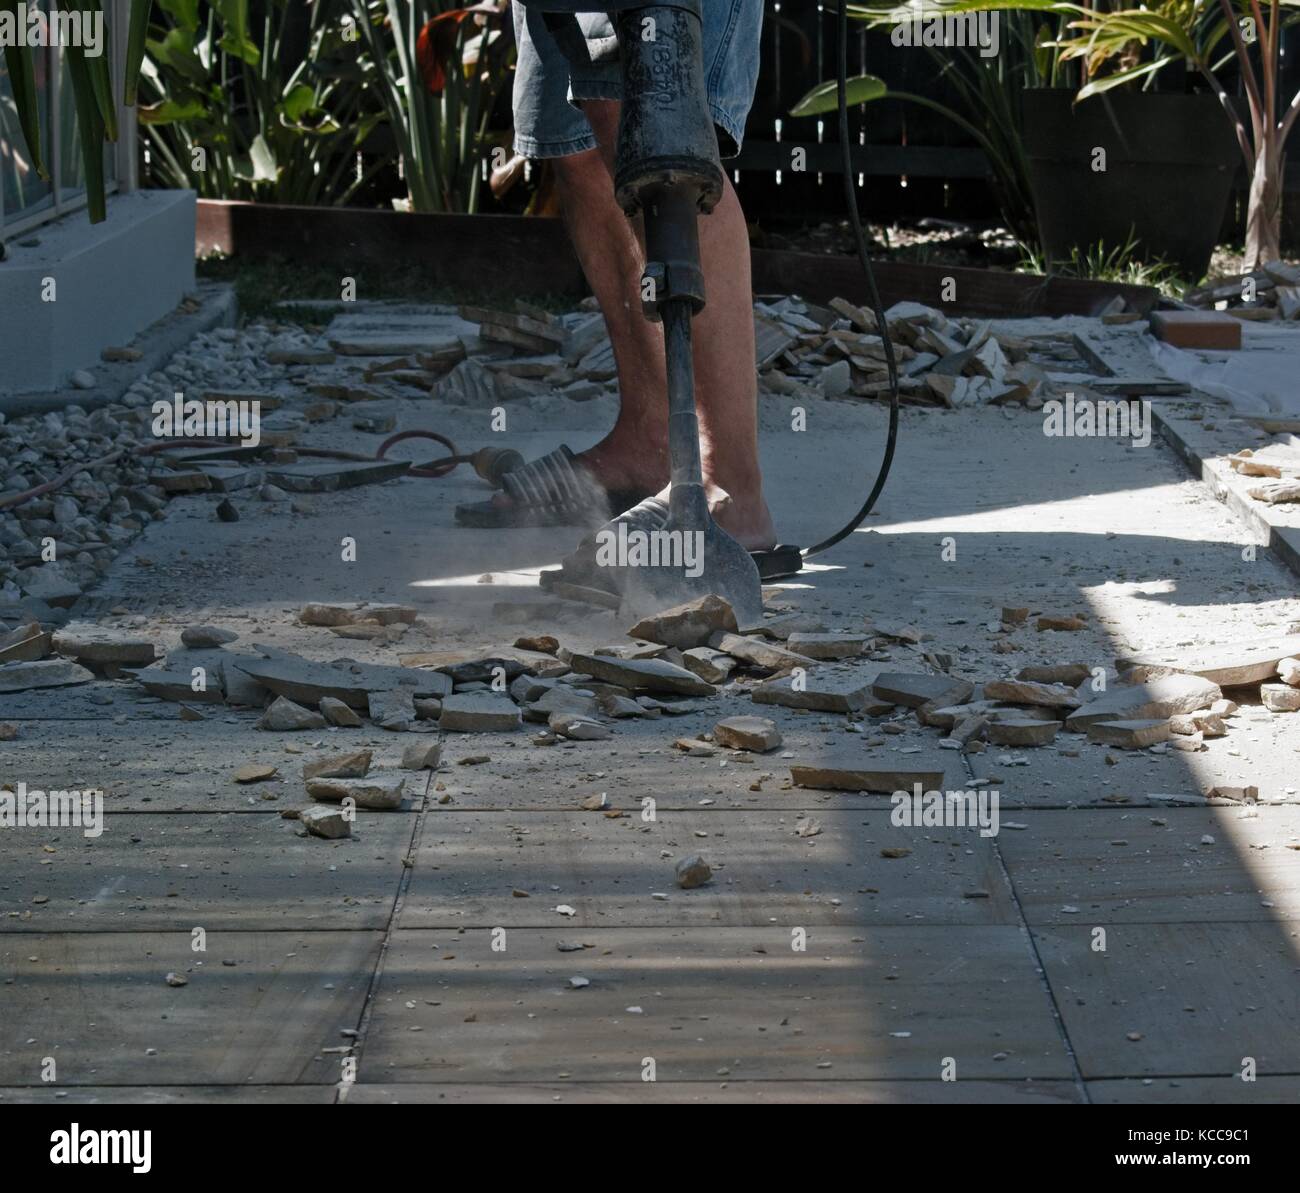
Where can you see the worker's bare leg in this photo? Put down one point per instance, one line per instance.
(726, 382)
(634, 455)
(635, 452)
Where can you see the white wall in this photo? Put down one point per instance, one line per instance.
(111, 281)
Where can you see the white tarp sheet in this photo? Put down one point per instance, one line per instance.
(1263, 378)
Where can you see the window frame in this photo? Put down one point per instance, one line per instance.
(123, 152)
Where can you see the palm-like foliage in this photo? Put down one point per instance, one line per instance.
(278, 120)
(280, 123)
(437, 81)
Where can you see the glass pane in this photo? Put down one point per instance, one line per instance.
(73, 176)
(23, 190)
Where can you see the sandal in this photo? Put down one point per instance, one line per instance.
(553, 490)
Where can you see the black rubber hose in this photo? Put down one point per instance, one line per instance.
(877, 308)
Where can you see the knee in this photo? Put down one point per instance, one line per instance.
(581, 169)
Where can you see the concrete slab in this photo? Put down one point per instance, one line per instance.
(883, 769)
(98, 701)
(171, 1095)
(182, 766)
(1196, 1091)
(230, 872)
(1199, 998)
(98, 1004)
(609, 871)
(713, 1006)
(1120, 866)
(639, 759)
(1056, 525)
(725, 1093)
(1255, 752)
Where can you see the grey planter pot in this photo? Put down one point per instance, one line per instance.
(1170, 162)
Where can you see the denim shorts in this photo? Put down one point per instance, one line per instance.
(548, 122)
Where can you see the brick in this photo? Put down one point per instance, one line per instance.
(757, 734)
(1022, 732)
(914, 690)
(1128, 735)
(1196, 329)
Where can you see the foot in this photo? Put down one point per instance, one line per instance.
(747, 519)
(624, 461)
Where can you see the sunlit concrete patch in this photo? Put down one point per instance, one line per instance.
(1034, 516)
(1261, 749)
(739, 1003)
(1167, 865)
(1176, 999)
(501, 579)
(621, 871)
(723, 1091)
(227, 872)
(100, 1006)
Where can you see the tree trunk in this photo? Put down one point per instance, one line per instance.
(1264, 208)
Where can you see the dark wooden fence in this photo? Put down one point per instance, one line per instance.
(913, 162)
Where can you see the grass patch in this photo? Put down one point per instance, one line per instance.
(1119, 265)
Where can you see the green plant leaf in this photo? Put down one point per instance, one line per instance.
(172, 110)
(298, 101)
(858, 90)
(91, 128)
(234, 38)
(263, 160)
(138, 32)
(184, 12)
(97, 72)
(176, 50)
(365, 126)
(1108, 82)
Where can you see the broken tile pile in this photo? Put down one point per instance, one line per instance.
(1279, 466)
(839, 349)
(1265, 294)
(802, 349)
(671, 664)
(498, 356)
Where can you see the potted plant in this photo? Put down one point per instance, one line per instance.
(1169, 158)
(1152, 168)
(1206, 34)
